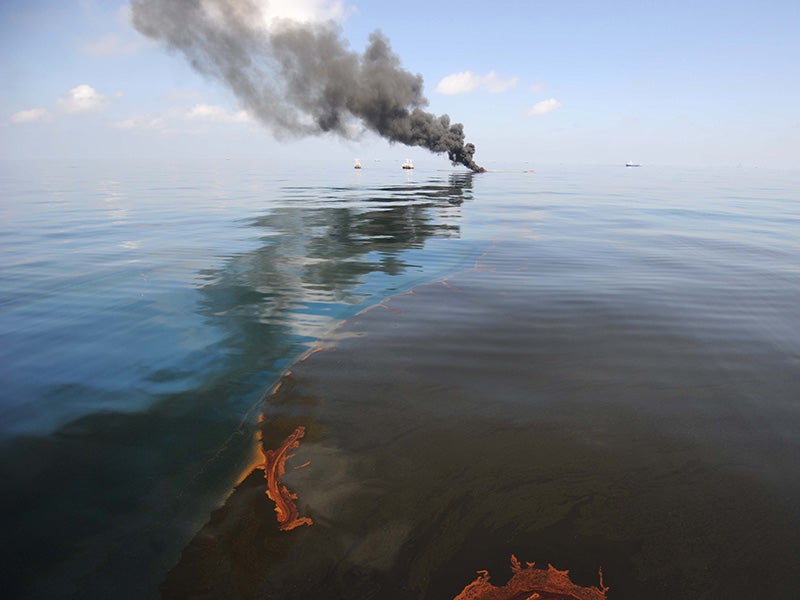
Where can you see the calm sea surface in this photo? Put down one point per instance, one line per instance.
(642, 326)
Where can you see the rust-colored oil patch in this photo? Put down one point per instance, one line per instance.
(274, 468)
(530, 583)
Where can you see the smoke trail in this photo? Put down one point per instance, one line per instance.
(301, 78)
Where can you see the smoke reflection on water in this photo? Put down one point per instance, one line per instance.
(105, 478)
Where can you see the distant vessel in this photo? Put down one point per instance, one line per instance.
(632, 164)
(407, 164)
(357, 164)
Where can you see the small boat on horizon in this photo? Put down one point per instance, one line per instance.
(407, 164)
(632, 164)
(357, 164)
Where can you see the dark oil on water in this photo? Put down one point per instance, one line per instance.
(594, 368)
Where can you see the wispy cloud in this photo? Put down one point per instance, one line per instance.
(30, 116)
(181, 96)
(82, 99)
(111, 44)
(494, 84)
(212, 113)
(544, 107)
(467, 81)
(142, 123)
(176, 119)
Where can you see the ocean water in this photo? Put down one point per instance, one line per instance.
(638, 327)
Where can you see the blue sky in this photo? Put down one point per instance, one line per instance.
(669, 83)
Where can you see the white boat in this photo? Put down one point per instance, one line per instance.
(632, 164)
(407, 164)
(357, 164)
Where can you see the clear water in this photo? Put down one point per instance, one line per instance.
(147, 308)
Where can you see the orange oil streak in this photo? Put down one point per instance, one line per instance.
(530, 582)
(274, 468)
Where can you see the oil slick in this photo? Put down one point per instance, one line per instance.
(274, 467)
(529, 582)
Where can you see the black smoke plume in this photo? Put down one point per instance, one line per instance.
(300, 78)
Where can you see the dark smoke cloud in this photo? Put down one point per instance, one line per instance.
(299, 78)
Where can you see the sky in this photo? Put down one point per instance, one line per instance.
(677, 83)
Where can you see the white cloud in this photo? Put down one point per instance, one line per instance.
(30, 116)
(466, 81)
(212, 113)
(82, 99)
(544, 107)
(458, 83)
